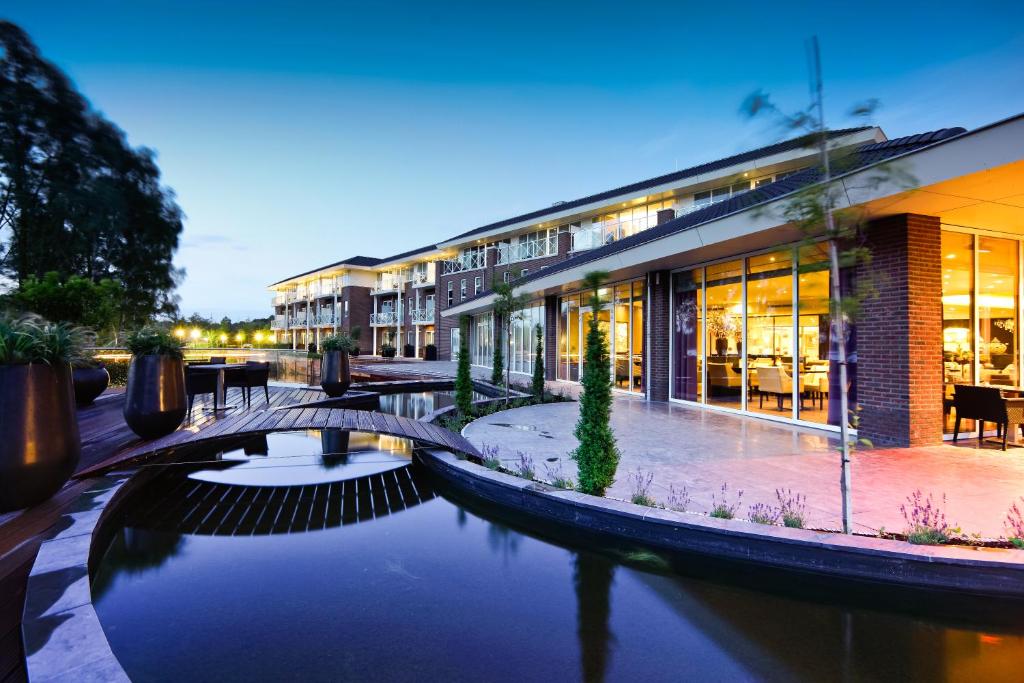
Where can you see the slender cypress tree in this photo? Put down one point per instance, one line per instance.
(498, 365)
(538, 365)
(597, 456)
(463, 378)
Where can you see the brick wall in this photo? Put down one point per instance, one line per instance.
(550, 336)
(899, 334)
(657, 323)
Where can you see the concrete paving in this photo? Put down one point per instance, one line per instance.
(684, 446)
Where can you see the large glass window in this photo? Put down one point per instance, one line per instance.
(687, 350)
(724, 292)
(997, 311)
(482, 340)
(771, 376)
(522, 337)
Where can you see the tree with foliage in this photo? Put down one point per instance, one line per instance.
(77, 300)
(508, 306)
(463, 378)
(597, 456)
(75, 198)
(538, 365)
(839, 235)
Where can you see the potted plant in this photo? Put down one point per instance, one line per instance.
(335, 375)
(408, 351)
(430, 352)
(354, 335)
(90, 379)
(155, 401)
(38, 426)
(388, 351)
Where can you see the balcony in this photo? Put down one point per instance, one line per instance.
(328, 290)
(325, 319)
(524, 251)
(389, 318)
(423, 316)
(470, 261)
(423, 279)
(297, 322)
(279, 322)
(385, 287)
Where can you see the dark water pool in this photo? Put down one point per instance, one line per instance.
(418, 404)
(363, 569)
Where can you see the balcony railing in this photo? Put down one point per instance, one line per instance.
(524, 251)
(297, 322)
(385, 286)
(384, 318)
(325, 319)
(328, 290)
(421, 279)
(278, 322)
(471, 261)
(423, 315)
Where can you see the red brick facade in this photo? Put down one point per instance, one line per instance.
(899, 335)
(659, 287)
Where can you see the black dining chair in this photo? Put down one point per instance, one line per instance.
(200, 381)
(236, 377)
(218, 360)
(257, 374)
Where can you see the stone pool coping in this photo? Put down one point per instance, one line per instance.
(64, 640)
(984, 572)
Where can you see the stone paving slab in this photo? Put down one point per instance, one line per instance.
(685, 446)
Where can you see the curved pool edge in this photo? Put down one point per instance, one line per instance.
(990, 573)
(63, 637)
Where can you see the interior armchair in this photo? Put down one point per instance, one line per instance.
(775, 381)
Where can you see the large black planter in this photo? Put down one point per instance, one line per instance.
(155, 402)
(430, 352)
(39, 444)
(335, 377)
(89, 383)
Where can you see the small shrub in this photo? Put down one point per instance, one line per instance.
(524, 465)
(118, 370)
(926, 521)
(338, 342)
(556, 478)
(722, 508)
(32, 339)
(150, 341)
(642, 481)
(490, 456)
(760, 513)
(1015, 525)
(678, 499)
(792, 508)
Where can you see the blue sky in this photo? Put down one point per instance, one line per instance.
(296, 136)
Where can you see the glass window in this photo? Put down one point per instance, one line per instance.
(957, 319)
(636, 361)
(724, 333)
(621, 338)
(687, 350)
(997, 311)
(769, 354)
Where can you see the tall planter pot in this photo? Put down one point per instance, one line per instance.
(335, 375)
(155, 401)
(39, 442)
(89, 384)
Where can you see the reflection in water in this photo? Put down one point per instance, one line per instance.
(218, 582)
(593, 578)
(416, 405)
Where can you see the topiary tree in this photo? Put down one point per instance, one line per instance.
(463, 379)
(538, 365)
(597, 456)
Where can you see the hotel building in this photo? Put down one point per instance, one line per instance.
(715, 299)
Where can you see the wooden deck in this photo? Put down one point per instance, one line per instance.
(107, 442)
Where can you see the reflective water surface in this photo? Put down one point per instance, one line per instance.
(372, 573)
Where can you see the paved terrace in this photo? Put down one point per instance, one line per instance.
(701, 450)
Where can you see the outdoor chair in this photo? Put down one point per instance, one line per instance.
(200, 381)
(218, 360)
(776, 382)
(986, 404)
(235, 377)
(257, 374)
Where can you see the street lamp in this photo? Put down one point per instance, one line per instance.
(258, 337)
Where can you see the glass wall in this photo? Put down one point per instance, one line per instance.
(621, 319)
(724, 333)
(482, 340)
(980, 304)
(523, 339)
(756, 334)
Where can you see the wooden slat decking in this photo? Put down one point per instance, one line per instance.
(108, 442)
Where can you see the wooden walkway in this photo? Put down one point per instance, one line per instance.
(108, 443)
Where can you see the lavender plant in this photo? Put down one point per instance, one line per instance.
(678, 499)
(761, 513)
(723, 508)
(926, 521)
(792, 508)
(490, 456)
(1015, 525)
(524, 465)
(642, 481)
(556, 478)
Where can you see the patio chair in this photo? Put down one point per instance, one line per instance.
(200, 381)
(235, 377)
(776, 382)
(986, 404)
(218, 360)
(257, 374)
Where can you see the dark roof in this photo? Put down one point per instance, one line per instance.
(779, 147)
(354, 261)
(863, 156)
(407, 254)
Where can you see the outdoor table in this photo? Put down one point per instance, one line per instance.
(220, 368)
